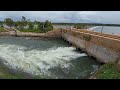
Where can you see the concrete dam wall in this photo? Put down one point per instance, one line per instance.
(104, 47)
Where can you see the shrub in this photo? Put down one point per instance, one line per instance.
(87, 38)
(80, 26)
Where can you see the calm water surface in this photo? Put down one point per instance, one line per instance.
(107, 29)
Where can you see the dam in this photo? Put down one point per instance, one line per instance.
(104, 47)
(53, 58)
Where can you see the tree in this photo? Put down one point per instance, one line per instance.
(80, 26)
(1, 22)
(31, 26)
(9, 22)
(35, 22)
(18, 24)
(48, 26)
(46, 23)
(40, 26)
(23, 21)
(28, 20)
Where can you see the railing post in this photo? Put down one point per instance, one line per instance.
(102, 29)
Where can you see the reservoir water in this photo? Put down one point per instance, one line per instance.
(107, 29)
(47, 58)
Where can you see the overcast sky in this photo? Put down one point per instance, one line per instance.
(112, 17)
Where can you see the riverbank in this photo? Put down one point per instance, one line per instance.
(7, 73)
(107, 71)
(4, 74)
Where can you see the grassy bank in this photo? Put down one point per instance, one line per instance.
(5, 74)
(108, 71)
(2, 29)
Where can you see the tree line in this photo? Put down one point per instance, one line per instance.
(21, 24)
(89, 24)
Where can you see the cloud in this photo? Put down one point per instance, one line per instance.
(66, 16)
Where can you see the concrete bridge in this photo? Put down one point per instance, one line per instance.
(103, 47)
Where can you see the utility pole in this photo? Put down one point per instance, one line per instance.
(102, 29)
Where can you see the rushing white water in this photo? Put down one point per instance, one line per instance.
(37, 62)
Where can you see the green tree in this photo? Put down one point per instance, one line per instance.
(35, 22)
(28, 20)
(48, 26)
(80, 26)
(18, 25)
(31, 26)
(23, 18)
(9, 22)
(41, 26)
(1, 22)
(23, 22)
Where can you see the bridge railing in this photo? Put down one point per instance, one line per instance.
(95, 33)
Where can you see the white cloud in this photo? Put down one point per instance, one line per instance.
(66, 16)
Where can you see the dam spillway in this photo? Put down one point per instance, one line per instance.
(52, 58)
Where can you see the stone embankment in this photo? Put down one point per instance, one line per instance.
(50, 34)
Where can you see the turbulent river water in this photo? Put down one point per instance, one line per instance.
(53, 58)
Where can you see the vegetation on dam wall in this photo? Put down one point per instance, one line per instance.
(87, 38)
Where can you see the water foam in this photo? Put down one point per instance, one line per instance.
(37, 62)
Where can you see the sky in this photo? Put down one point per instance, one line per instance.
(108, 17)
